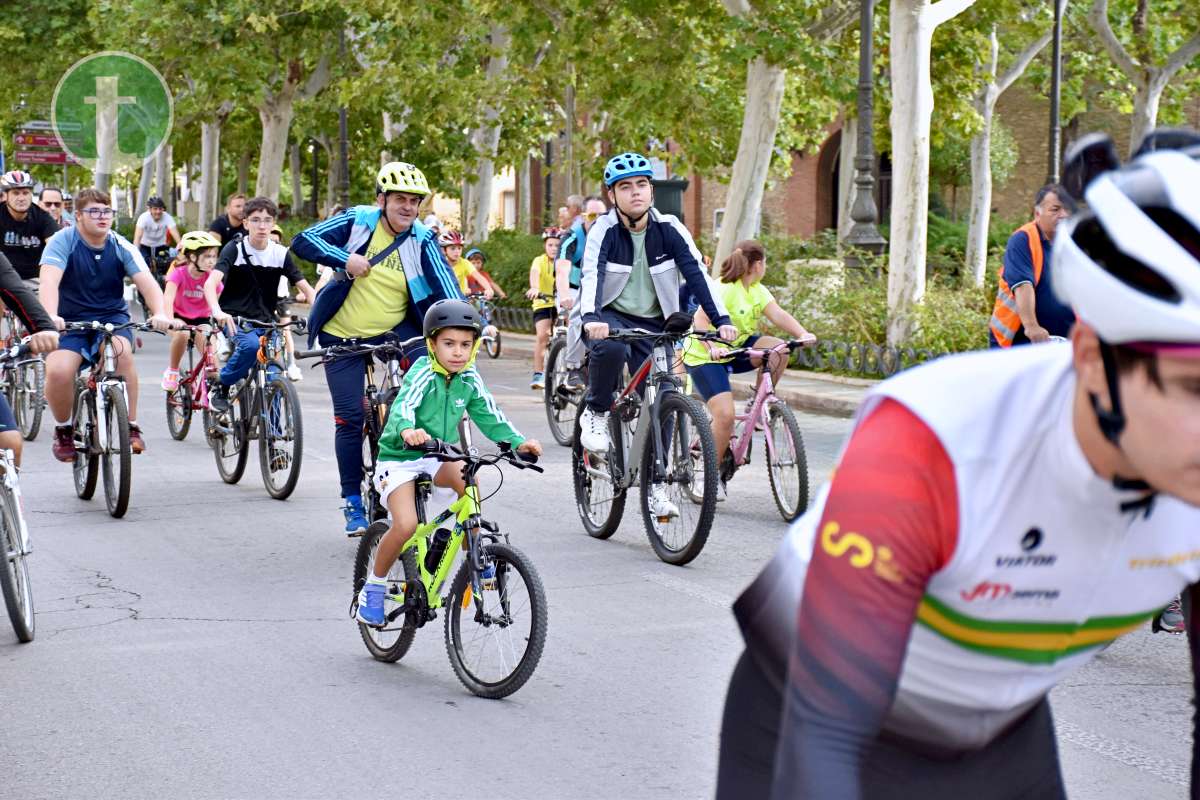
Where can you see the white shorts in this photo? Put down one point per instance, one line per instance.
(390, 475)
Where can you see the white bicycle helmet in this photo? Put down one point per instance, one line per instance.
(1130, 265)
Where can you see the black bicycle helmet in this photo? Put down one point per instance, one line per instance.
(155, 202)
(452, 314)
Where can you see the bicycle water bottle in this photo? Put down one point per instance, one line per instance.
(441, 537)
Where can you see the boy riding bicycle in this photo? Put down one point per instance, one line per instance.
(634, 266)
(436, 392)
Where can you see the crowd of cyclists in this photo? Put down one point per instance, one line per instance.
(993, 558)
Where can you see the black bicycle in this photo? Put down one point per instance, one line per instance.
(395, 356)
(160, 263)
(263, 406)
(562, 402)
(14, 534)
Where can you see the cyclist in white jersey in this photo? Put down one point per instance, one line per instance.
(992, 553)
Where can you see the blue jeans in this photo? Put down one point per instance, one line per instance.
(242, 360)
(347, 379)
(606, 357)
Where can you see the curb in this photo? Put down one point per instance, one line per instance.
(840, 400)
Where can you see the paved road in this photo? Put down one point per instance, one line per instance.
(200, 647)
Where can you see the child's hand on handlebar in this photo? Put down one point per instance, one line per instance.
(531, 446)
(414, 437)
(727, 332)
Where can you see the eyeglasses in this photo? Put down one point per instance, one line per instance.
(52, 205)
(592, 215)
(261, 220)
(98, 213)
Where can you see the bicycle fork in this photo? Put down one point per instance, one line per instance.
(14, 487)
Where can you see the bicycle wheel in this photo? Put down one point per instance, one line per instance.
(86, 467)
(600, 501)
(492, 345)
(391, 643)
(14, 573)
(679, 537)
(560, 410)
(116, 462)
(229, 440)
(281, 444)
(179, 402)
(29, 379)
(787, 464)
(495, 641)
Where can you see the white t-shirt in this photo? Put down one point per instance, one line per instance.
(154, 234)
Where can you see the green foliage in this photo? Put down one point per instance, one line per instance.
(509, 253)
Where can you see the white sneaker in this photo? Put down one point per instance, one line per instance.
(294, 373)
(722, 492)
(593, 431)
(661, 505)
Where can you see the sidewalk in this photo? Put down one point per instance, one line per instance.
(815, 392)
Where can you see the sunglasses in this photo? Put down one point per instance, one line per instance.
(591, 215)
(52, 205)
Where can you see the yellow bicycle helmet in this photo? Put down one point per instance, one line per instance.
(400, 176)
(198, 240)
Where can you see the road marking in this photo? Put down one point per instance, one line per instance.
(1124, 753)
(692, 589)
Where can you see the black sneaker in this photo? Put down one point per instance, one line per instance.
(218, 398)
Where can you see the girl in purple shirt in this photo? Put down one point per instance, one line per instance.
(184, 295)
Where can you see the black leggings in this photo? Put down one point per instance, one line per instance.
(1020, 765)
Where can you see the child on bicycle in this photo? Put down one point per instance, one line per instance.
(437, 391)
(183, 297)
(541, 292)
(747, 301)
(451, 242)
(481, 280)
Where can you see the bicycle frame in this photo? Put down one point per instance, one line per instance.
(101, 377)
(10, 482)
(764, 396)
(465, 509)
(656, 367)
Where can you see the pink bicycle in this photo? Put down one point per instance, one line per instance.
(194, 377)
(787, 466)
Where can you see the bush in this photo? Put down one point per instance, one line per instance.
(508, 255)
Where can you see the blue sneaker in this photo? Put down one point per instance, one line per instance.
(370, 604)
(489, 572)
(356, 515)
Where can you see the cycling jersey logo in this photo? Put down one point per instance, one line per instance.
(111, 110)
(1031, 541)
(862, 552)
(986, 590)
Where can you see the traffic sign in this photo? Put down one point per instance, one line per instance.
(35, 139)
(40, 157)
(46, 125)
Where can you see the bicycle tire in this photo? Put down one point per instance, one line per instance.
(507, 560)
(561, 419)
(118, 477)
(14, 574)
(29, 397)
(86, 467)
(780, 413)
(229, 448)
(598, 527)
(179, 402)
(364, 558)
(690, 421)
(286, 426)
(492, 345)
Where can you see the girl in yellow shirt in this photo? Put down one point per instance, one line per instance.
(541, 292)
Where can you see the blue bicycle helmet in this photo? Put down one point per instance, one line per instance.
(626, 165)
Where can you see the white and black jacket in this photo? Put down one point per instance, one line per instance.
(670, 253)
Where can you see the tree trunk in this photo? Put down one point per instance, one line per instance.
(743, 203)
(981, 198)
(569, 142)
(523, 200)
(243, 180)
(146, 181)
(165, 177)
(210, 170)
(485, 140)
(1146, 97)
(276, 118)
(464, 204)
(845, 186)
(912, 26)
(331, 179)
(294, 169)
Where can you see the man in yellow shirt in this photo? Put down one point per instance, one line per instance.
(541, 292)
(388, 272)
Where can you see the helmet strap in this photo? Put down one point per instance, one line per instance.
(631, 222)
(1112, 420)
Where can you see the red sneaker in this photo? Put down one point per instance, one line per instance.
(136, 443)
(64, 443)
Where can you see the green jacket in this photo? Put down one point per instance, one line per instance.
(432, 399)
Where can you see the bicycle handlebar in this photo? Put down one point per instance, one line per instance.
(16, 351)
(111, 327)
(298, 324)
(790, 345)
(356, 348)
(444, 451)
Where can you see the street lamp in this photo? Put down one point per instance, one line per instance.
(864, 235)
(1055, 154)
